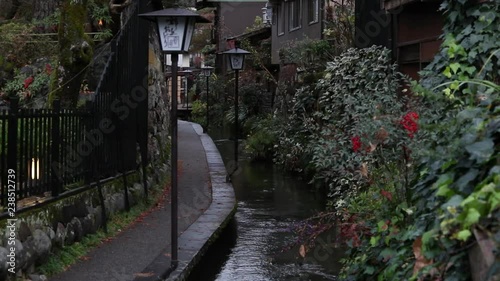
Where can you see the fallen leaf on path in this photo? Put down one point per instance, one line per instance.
(302, 251)
(144, 274)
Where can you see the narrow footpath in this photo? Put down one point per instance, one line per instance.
(142, 252)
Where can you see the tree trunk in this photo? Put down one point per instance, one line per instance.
(75, 53)
(44, 8)
(8, 8)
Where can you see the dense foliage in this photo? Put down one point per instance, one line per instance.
(31, 43)
(339, 25)
(358, 122)
(413, 178)
(30, 85)
(470, 39)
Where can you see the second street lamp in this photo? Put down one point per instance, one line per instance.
(207, 71)
(236, 61)
(187, 75)
(175, 30)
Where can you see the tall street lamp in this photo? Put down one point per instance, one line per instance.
(207, 71)
(236, 61)
(175, 30)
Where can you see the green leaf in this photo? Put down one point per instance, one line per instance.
(447, 72)
(445, 179)
(475, 38)
(464, 180)
(473, 202)
(444, 191)
(447, 165)
(481, 151)
(472, 217)
(369, 270)
(454, 201)
(447, 93)
(387, 253)
(494, 201)
(464, 235)
(471, 70)
(426, 237)
(453, 16)
(374, 240)
(455, 66)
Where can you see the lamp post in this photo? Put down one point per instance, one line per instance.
(236, 61)
(186, 74)
(175, 30)
(207, 71)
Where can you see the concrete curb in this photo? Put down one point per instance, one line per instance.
(194, 242)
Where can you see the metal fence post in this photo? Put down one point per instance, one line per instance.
(57, 168)
(89, 125)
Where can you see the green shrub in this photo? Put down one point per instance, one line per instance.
(299, 126)
(19, 46)
(359, 121)
(456, 192)
(260, 144)
(199, 112)
(31, 90)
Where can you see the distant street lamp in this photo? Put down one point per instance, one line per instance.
(207, 71)
(175, 30)
(187, 74)
(236, 61)
(267, 11)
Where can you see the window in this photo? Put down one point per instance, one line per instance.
(280, 19)
(313, 11)
(294, 14)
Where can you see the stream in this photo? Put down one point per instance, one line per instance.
(253, 246)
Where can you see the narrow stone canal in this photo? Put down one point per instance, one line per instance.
(253, 247)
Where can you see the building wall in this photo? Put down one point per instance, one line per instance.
(235, 17)
(232, 19)
(418, 28)
(282, 32)
(373, 24)
(411, 29)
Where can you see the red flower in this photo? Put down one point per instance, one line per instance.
(386, 194)
(28, 81)
(48, 69)
(409, 122)
(356, 143)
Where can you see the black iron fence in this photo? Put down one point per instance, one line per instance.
(34, 143)
(55, 150)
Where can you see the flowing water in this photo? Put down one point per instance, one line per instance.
(253, 247)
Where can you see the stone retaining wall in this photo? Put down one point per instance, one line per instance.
(39, 232)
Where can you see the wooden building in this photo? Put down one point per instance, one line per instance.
(411, 28)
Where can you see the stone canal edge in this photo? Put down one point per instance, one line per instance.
(195, 241)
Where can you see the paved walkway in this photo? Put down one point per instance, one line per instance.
(142, 252)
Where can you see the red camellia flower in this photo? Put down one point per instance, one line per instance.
(356, 143)
(48, 69)
(28, 81)
(410, 124)
(386, 194)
